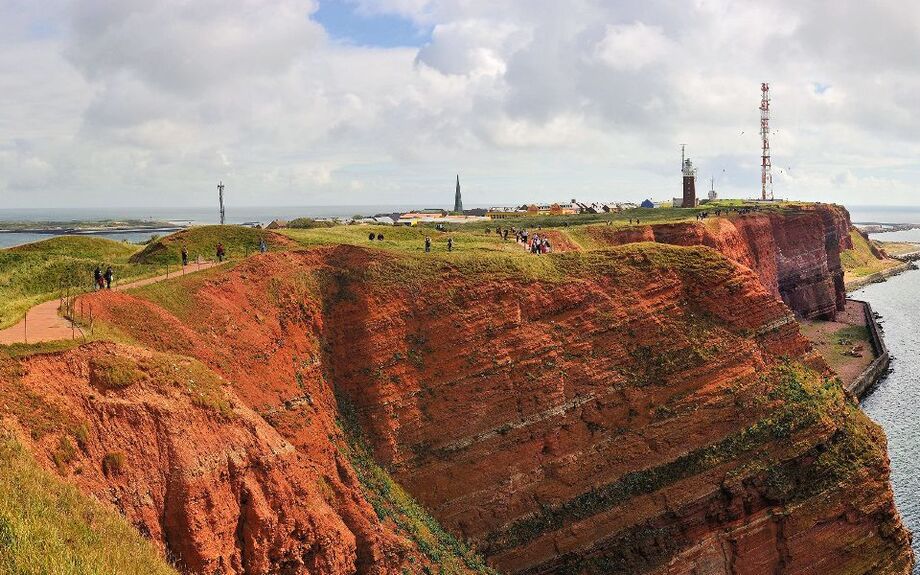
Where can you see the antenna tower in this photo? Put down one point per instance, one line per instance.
(220, 196)
(766, 173)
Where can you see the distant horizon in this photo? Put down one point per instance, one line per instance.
(409, 205)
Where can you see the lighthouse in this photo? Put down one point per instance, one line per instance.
(689, 177)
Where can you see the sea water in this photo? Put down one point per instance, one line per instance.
(893, 403)
(178, 215)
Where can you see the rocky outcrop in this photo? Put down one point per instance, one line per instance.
(164, 440)
(796, 252)
(642, 409)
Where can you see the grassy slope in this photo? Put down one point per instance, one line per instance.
(406, 239)
(392, 503)
(48, 527)
(33, 273)
(644, 215)
(860, 261)
(238, 241)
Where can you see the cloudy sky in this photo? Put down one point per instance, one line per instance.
(330, 102)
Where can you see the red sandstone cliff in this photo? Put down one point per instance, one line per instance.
(641, 409)
(796, 253)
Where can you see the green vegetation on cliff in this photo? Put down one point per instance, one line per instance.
(863, 260)
(391, 502)
(48, 527)
(201, 241)
(802, 398)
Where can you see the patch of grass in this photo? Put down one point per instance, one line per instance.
(48, 527)
(176, 295)
(113, 372)
(204, 387)
(406, 239)
(309, 223)
(113, 463)
(18, 350)
(64, 453)
(239, 241)
(37, 272)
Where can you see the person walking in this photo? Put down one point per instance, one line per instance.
(427, 244)
(450, 244)
(262, 247)
(220, 251)
(109, 277)
(184, 256)
(97, 278)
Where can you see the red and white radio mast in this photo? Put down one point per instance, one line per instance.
(766, 174)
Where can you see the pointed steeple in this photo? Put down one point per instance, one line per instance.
(458, 203)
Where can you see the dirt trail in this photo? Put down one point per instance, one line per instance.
(43, 323)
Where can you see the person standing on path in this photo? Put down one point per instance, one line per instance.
(97, 278)
(184, 256)
(262, 247)
(109, 276)
(220, 251)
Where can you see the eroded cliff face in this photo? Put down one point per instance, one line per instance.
(641, 409)
(645, 409)
(795, 253)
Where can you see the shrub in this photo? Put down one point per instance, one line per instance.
(112, 464)
(110, 372)
(309, 223)
(81, 434)
(64, 454)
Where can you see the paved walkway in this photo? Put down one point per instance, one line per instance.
(43, 322)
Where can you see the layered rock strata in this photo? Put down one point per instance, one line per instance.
(643, 409)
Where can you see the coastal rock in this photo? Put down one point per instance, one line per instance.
(795, 253)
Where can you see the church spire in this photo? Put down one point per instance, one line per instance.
(458, 203)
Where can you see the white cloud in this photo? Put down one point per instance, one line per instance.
(137, 102)
(633, 46)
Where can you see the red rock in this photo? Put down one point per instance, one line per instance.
(643, 409)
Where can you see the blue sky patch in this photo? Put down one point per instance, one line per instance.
(344, 23)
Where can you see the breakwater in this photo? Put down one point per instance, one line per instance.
(879, 366)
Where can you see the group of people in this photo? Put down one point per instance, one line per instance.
(103, 280)
(538, 244)
(450, 244)
(535, 243)
(718, 213)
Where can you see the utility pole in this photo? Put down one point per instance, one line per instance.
(220, 195)
(766, 170)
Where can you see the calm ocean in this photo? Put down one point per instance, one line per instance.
(194, 215)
